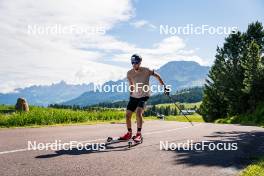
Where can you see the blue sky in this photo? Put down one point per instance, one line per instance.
(226, 13)
(130, 26)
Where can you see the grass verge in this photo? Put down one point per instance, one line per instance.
(256, 118)
(254, 169)
(49, 116)
(39, 117)
(180, 118)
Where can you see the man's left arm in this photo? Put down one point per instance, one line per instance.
(158, 77)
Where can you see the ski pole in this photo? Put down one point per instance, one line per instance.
(174, 102)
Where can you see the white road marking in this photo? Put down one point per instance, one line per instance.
(102, 139)
(13, 151)
(164, 131)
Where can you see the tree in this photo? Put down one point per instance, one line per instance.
(214, 103)
(253, 85)
(235, 81)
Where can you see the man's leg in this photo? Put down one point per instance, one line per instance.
(127, 135)
(139, 115)
(128, 120)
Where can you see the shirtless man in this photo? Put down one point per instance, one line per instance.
(138, 78)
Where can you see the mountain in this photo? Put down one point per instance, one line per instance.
(178, 74)
(44, 95)
(93, 97)
(183, 74)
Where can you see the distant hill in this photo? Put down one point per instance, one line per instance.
(179, 74)
(44, 95)
(190, 95)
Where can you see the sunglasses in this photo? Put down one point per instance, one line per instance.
(134, 63)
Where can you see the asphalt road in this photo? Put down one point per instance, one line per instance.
(143, 159)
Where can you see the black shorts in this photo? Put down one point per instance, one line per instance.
(136, 102)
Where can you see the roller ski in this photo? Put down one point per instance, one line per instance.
(124, 138)
(138, 139)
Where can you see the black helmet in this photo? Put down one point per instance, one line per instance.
(136, 59)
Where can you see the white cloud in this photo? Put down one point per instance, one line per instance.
(169, 49)
(105, 43)
(43, 59)
(143, 23)
(169, 45)
(28, 59)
